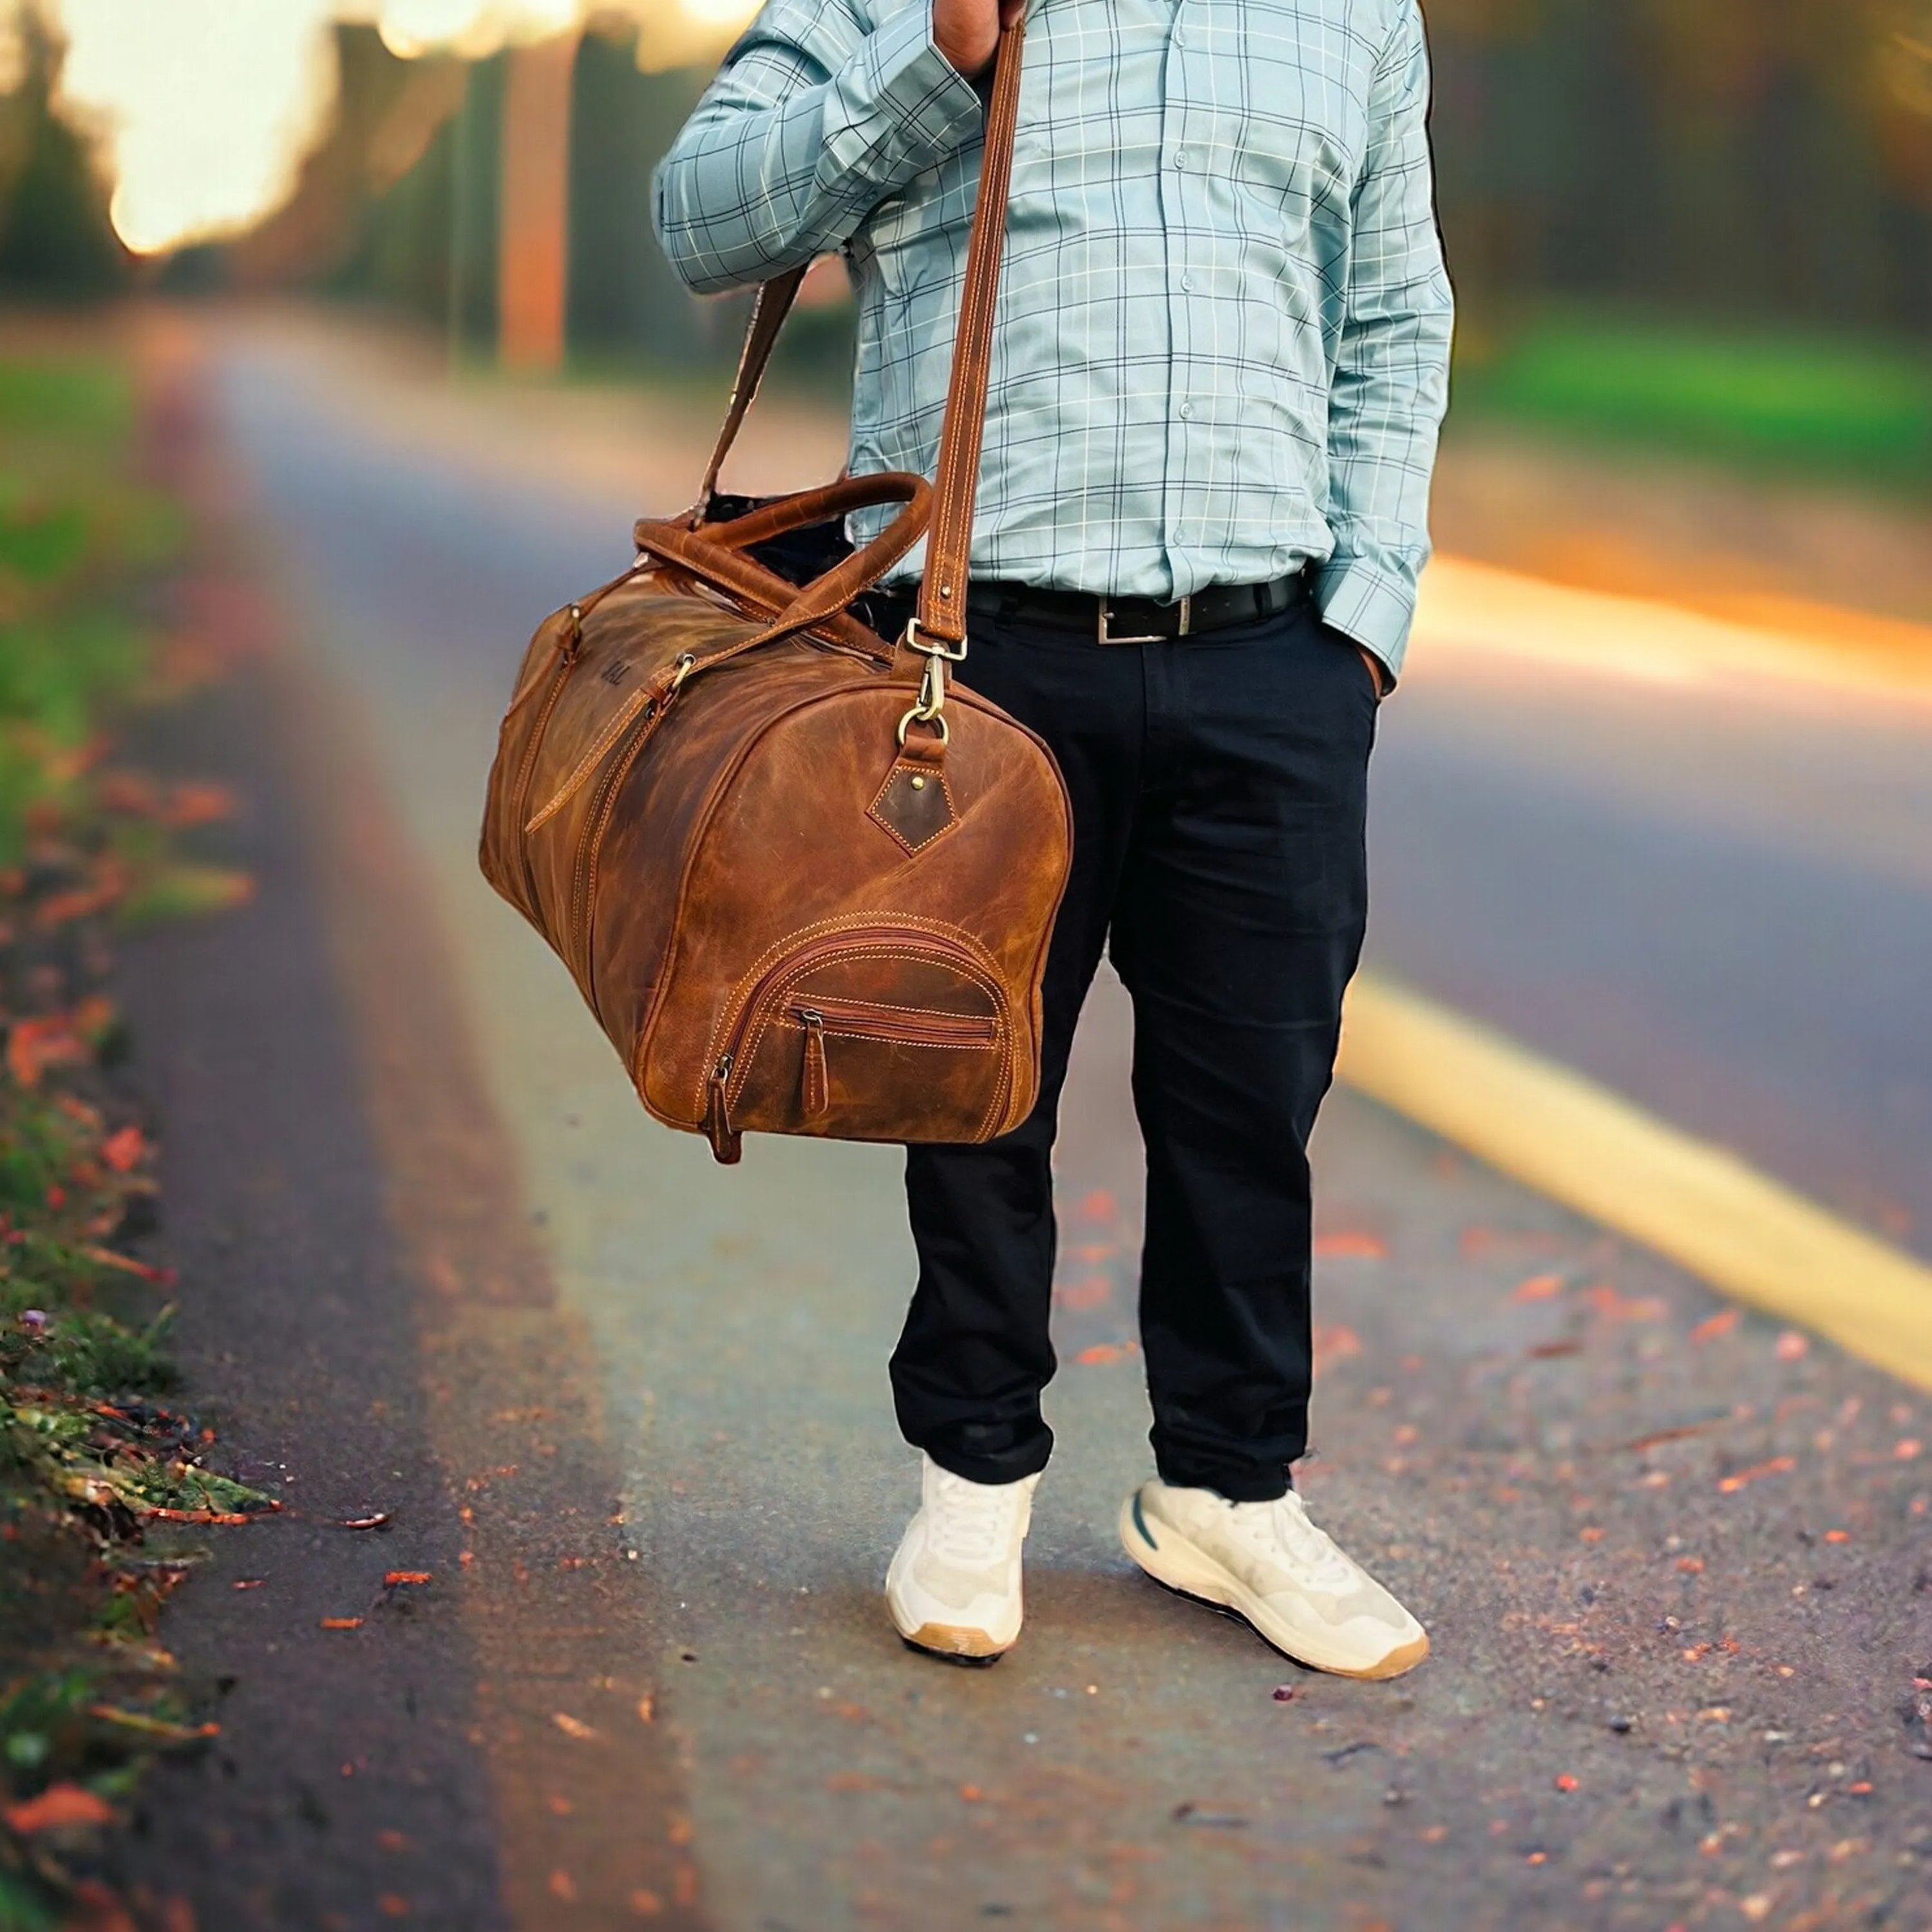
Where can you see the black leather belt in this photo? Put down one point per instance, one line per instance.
(1106, 620)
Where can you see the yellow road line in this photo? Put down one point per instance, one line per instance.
(1746, 1235)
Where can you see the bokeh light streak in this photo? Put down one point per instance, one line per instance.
(205, 107)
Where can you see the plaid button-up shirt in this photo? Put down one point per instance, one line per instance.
(1223, 336)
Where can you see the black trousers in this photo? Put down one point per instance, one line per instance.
(1219, 785)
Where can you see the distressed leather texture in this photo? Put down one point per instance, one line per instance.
(794, 907)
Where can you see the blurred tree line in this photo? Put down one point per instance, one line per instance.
(1767, 161)
(1764, 161)
(56, 241)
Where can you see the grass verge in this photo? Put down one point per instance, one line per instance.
(104, 1487)
(1844, 409)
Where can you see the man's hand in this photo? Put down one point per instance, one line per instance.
(967, 31)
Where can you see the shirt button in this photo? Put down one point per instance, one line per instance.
(1186, 410)
(1187, 285)
(1182, 158)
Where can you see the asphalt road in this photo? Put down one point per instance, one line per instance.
(1675, 1564)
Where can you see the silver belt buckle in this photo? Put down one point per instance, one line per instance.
(1103, 635)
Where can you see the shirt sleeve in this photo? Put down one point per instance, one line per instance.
(1391, 383)
(817, 115)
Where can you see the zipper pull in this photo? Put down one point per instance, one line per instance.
(815, 1084)
(727, 1145)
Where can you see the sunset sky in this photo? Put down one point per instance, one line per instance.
(208, 105)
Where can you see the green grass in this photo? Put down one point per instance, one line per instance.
(89, 397)
(1850, 408)
(90, 1462)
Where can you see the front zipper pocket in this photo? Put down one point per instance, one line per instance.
(881, 1032)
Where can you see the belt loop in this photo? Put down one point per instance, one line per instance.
(1186, 617)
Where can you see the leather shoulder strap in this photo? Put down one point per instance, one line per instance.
(942, 598)
(942, 611)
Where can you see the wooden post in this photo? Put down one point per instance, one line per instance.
(534, 261)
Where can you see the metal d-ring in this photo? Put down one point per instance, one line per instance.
(938, 718)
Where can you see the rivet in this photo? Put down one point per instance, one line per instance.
(918, 783)
(946, 590)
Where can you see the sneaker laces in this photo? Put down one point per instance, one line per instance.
(1283, 1525)
(970, 1523)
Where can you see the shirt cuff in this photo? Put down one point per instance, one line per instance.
(1369, 604)
(901, 105)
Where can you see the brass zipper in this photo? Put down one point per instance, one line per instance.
(890, 1023)
(526, 775)
(590, 841)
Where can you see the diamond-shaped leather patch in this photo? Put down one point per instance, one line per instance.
(914, 804)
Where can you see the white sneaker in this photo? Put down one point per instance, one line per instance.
(954, 1585)
(1270, 1565)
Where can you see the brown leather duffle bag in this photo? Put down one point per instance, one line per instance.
(805, 887)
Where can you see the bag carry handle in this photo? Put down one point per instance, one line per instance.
(772, 304)
(937, 633)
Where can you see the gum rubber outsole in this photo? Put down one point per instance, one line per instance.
(1398, 1661)
(952, 1645)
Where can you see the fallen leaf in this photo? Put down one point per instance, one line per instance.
(561, 1887)
(1089, 1292)
(571, 1727)
(1837, 1536)
(1777, 1466)
(380, 1520)
(249, 1582)
(198, 803)
(109, 882)
(1565, 1781)
(647, 1708)
(1334, 1341)
(1615, 1307)
(126, 1265)
(124, 1150)
(1367, 1246)
(35, 1045)
(342, 1623)
(1537, 1288)
(151, 1727)
(1721, 1323)
(97, 1908)
(1100, 1354)
(58, 1808)
(1906, 1448)
(392, 1578)
(184, 891)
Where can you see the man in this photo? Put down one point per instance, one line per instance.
(1219, 368)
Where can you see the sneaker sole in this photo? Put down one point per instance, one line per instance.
(952, 1644)
(1184, 1570)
